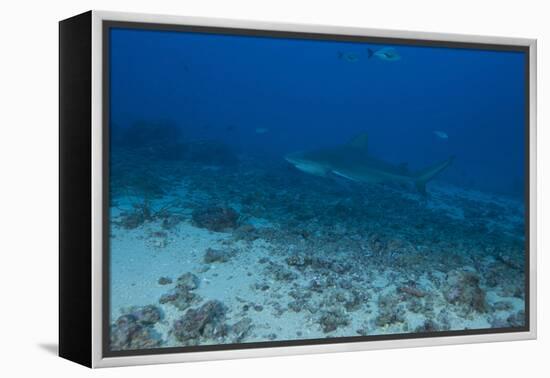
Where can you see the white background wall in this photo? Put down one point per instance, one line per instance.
(28, 186)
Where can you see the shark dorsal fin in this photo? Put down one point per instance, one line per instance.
(360, 141)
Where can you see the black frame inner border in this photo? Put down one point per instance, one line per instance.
(107, 25)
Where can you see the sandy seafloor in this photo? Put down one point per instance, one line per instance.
(300, 298)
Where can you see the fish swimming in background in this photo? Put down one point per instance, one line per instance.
(441, 134)
(261, 130)
(385, 53)
(350, 57)
(353, 162)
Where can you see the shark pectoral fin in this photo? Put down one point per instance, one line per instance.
(422, 177)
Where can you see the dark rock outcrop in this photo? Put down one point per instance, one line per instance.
(164, 281)
(217, 255)
(208, 321)
(134, 330)
(216, 218)
(462, 289)
(330, 320)
(182, 296)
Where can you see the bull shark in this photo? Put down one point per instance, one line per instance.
(352, 161)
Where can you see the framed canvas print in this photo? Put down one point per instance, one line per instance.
(235, 189)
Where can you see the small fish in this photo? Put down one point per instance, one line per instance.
(261, 130)
(441, 134)
(350, 57)
(385, 53)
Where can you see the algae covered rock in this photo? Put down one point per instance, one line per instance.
(164, 281)
(188, 281)
(517, 319)
(208, 321)
(207, 324)
(182, 296)
(134, 330)
(279, 272)
(136, 217)
(240, 330)
(217, 255)
(216, 218)
(462, 289)
(332, 319)
(390, 310)
(146, 315)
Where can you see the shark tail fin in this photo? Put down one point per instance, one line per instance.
(422, 177)
(371, 53)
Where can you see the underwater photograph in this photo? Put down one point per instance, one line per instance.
(267, 189)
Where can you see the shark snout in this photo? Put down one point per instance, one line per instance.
(305, 165)
(296, 158)
(292, 158)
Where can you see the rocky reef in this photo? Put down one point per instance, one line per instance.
(134, 330)
(216, 218)
(183, 295)
(271, 254)
(217, 255)
(207, 324)
(462, 289)
(330, 320)
(390, 309)
(164, 281)
(204, 322)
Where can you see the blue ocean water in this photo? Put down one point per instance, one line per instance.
(306, 96)
(200, 126)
